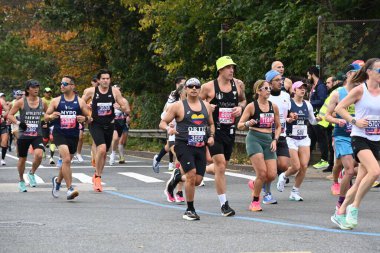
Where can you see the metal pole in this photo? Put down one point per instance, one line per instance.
(319, 40)
(221, 40)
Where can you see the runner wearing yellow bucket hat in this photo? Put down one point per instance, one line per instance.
(227, 100)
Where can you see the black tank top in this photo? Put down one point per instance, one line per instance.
(192, 129)
(263, 119)
(222, 115)
(102, 107)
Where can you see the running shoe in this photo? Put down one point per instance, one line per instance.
(179, 197)
(335, 189)
(156, 165)
(340, 220)
(190, 215)
(59, 163)
(295, 196)
(269, 199)
(121, 160)
(98, 184)
(328, 169)
(255, 206)
(22, 186)
(169, 196)
(3, 162)
(227, 210)
(112, 158)
(281, 182)
(352, 216)
(376, 184)
(79, 158)
(321, 164)
(72, 193)
(51, 161)
(32, 180)
(202, 183)
(171, 167)
(55, 188)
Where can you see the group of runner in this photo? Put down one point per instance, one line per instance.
(204, 125)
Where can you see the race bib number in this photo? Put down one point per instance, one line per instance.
(266, 119)
(68, 121)
(299, 130)
(196, 138)
(226, 116)
(31, 130)
(104, 109)
(373, 125)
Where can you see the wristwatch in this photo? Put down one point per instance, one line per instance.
(353, 121)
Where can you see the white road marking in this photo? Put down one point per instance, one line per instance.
(38, 179)
(84, 178)
(233, 174)
(141, 177)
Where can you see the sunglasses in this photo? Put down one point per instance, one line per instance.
(65, 84)
(377, 70)
(265, 88)
(192, 86)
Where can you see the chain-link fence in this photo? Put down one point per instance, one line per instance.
(340, 42)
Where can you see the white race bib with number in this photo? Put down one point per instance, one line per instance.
(299, 130)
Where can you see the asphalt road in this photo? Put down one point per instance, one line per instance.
(132, 215)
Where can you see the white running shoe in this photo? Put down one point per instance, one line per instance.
(112, 158)
(171, 167)
(79, 158)
(3, 162)
(281, 182)
(295, 196)
(156, 165)
(202, 183)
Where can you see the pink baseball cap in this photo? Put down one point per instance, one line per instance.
(298, 84)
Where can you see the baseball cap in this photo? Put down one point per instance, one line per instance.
(192, 81)
(359, 62)
(354, 67)
(298, 84)
(31, 83)
(223, 62)
(47, 89)
(271, 74)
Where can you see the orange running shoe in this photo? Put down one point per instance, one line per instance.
(255, 206)
(98, 184)
(335, 189)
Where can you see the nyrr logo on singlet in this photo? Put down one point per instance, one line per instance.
(219, 96)
(234, 92)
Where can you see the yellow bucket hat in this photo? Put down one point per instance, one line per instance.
(223, 62)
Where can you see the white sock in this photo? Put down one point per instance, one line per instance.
(121, 150)
(295, 189)
(222, 199)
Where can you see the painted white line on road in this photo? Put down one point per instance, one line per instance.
(204, 178)
(233, 174)
(126, 161)
(38, 179)
(16, 158)
(141, 177)
(84, 178)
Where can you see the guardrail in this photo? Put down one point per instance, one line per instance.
(160, 134)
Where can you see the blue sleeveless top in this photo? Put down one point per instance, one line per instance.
(67, 123)
(298, 128)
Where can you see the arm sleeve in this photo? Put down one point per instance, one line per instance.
(312, 118)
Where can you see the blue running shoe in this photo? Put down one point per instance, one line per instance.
(32, 179)
(59, 163)
(22, 186)
(269, 199)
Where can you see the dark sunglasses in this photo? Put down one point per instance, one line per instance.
(65, 83)
(192, 86)
(376, 70)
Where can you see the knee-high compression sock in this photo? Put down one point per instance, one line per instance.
(161, 154)
(3, 152)
(171, 156)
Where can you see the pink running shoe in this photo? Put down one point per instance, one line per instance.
(335, 189)
(169, 197)
(179, 197)
(251, 185)
(255, 206)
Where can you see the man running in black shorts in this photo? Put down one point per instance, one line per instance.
(101, 128)
(227, 99)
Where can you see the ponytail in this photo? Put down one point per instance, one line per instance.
(362, 75)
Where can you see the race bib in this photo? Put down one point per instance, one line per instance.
(266, 119)
(31, 130)
(299, 130)
(68, 121)
(373, 125)
(226, 116)
(104, 109)
(196, 138)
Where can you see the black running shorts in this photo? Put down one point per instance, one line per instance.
(360, 143)
(102, 134)
(23, 145)
(191, 157)
(70, 142)
(282, 147)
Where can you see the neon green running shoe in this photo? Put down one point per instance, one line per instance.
(321, 164)
(22, 186)
(352, 216)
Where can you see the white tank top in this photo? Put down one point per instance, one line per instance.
(368, 108)
(283, 103)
